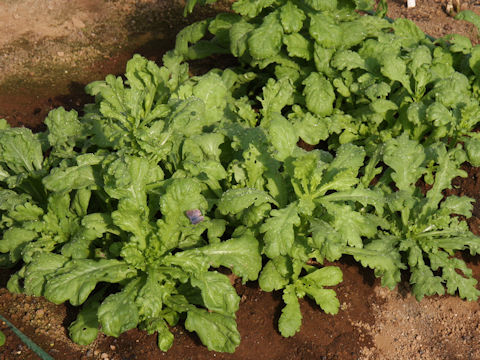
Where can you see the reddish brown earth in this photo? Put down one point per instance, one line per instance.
(50, 49)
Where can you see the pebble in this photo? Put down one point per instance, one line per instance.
(78, 23)
(104, 356)
(60, 53)
(112, 347)
(40, 312)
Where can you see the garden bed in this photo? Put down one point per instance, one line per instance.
(373, 322)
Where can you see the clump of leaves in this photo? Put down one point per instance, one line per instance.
(344, 76)
(129, 209)
(418, 231)
(134, 209)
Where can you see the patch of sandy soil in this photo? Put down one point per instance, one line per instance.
(436, 328)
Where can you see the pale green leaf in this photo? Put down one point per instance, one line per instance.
(290, 320)
(216, 331)
(77, 278)
(279, 232)
(319, 94)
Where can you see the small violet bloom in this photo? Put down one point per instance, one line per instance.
(195, 216)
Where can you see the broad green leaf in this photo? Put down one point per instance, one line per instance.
(64, 129)
(149, 299)
(70, 178)
(452, 90)
(395, 69)
(239, 34)
(327, 240)
(408, 32)
(276, 95)
(241, 254)
(311, 129)
(165, 337)
(250, 8)
(298, 46)
(325, 276)
(381, 256)
(9, 200)
(270, 278)
(216, 331)
(118, 312)
(14, 240)
(77, 278)
(290, 320)
(127, 177)
(319, 94)
(322, 5)
(324, 31)
(36, 272)
(352, 225)
(347, 59)
(439, 115)
(234, 201)
(282, 136)
(266, 40)
(211, 89)
(405, 157)
(325, 298)
(342, 172)
(190, 35)
(322, 56)
(84, 329)
(20, 150)
(186, 119)
(217, 293)
(472, 147)
(459, 44)
(291, 17)
(363, 196)
(279, 233)
(424, 282)
(180, 196)
(474, 60)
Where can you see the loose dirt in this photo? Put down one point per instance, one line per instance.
(50, 49)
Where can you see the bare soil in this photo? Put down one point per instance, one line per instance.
(50, 49)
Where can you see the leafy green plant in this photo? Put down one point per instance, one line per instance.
(128, 209)
(355, 78)
(419, 231)
(87, 204)
(136, 209)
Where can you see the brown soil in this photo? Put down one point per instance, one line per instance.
(50, 49)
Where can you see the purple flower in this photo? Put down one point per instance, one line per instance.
(195, 216)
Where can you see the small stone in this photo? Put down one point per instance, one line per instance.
(104, 356)
(60, 53)
(78, 23)
(40, 312)
(112, 347)
(96, 352)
